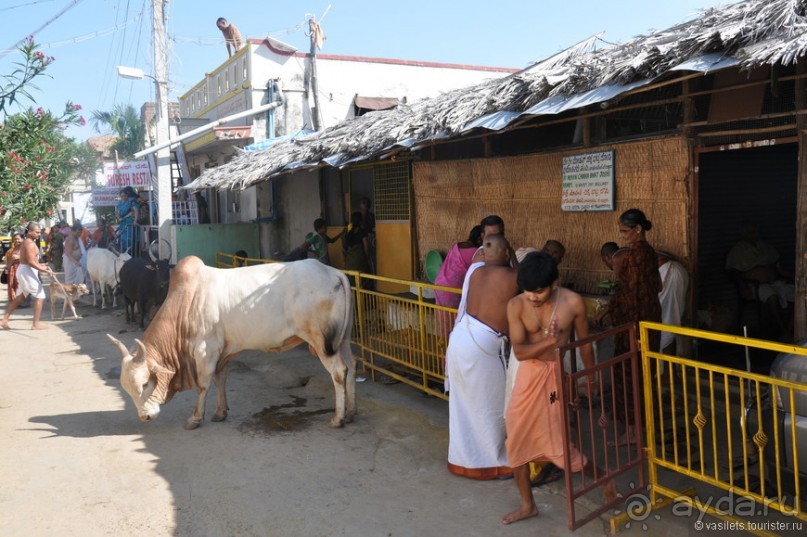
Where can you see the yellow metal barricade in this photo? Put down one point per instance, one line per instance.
(723, 426)
(712, 424)
(402, 336)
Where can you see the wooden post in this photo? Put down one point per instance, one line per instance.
(586, 131)
(800, 303)
(693, 221)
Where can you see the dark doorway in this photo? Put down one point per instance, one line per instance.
(759, 185)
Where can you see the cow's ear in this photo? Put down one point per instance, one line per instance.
(121, 347)
(140, 354)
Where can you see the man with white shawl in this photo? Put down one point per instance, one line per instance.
(476, 362)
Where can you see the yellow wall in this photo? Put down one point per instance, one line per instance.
(394, 253)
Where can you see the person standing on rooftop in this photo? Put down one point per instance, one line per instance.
(232, 37)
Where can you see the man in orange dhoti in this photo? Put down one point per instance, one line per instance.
(541, 319)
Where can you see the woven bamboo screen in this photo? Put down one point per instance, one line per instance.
(652, 175)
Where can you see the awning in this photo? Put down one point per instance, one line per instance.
(375, 103)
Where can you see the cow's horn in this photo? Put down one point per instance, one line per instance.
(151, 251)
(121, 347)
(140, 354)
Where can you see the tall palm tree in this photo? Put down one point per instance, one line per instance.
(125, 123)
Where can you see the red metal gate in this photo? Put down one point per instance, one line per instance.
(591, 424)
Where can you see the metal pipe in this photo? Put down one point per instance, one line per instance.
(270, 115)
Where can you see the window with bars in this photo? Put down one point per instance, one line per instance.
(391, 184)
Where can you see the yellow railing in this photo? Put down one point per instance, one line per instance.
(723, 426)
(402, 336)
(710, 423)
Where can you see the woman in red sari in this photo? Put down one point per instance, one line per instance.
(635, 299)
(12, 261)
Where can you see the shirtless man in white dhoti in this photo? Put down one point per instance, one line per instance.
(28, 278)
(475, 366)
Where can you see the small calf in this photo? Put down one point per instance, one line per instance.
(69, 292)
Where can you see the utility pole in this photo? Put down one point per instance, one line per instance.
(313, 29)
(163, 158)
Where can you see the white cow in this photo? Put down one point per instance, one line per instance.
(103, 268)
(212, 314)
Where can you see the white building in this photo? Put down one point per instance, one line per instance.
(265, 71)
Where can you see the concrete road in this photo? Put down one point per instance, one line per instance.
(76, 461)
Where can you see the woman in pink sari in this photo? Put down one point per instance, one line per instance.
(452, 271)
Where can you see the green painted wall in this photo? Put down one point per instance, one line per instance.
(205, 240)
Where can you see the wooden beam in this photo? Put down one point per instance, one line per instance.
(734, 132)
(772, 115)
(586, 132)
(488, 146)
(693, 222)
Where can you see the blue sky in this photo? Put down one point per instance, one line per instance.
(91, 37)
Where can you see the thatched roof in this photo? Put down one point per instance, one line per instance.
(748, 34)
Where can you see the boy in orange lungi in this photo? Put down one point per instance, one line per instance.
(541, 319)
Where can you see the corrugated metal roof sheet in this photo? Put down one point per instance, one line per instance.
(263, 144)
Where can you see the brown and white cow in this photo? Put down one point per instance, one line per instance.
(212, 314)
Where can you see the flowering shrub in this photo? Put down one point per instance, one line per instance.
(37, 161)
(18, 82)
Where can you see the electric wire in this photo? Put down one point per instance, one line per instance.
(120, 55)
(137, 47)
(103, 91)
(9, 8)
(55, 17)
(79, 39)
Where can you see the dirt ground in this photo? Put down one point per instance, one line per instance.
(76, 461)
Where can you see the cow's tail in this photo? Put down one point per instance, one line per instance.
(334, 340)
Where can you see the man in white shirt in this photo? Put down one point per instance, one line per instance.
(673, 295)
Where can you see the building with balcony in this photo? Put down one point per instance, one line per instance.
(312, 93)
